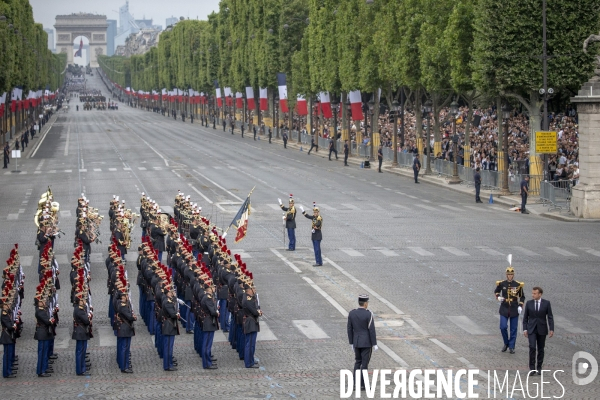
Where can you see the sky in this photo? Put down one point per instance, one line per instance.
(45, 11)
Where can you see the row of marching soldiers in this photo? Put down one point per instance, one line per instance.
(10, 302)
(201, 277)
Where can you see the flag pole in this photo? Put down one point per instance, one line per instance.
(249, 194)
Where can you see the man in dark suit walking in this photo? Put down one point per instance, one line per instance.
(361, 334)
(538, 323)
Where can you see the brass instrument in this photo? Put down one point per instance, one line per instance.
(130, 218)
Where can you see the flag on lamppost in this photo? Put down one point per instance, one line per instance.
(301, 108)
(356, 105)
(264, 99)
(240, 221)
(239, 101)
(282, 85)
(325, 104)
(250, 98)
(218, 94)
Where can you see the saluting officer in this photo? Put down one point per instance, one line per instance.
(511, 297)
(362, 336)
(317, 224)
(290, 222)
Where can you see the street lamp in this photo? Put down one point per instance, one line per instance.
(395, 107)
(349, 119)
(371, 105)
(454, 112)
(276, 115)
(426, 149)
(506, 111)
(334, 105)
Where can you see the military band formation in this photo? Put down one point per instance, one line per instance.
(200, 284)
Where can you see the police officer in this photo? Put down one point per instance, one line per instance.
(380, 156)
(416, 167)
(284, 136)
(524, 194)
(313, 144)
(317, 224)
(254, 131)
(290, 222)
(346, 152)
(332, 148)
(361, 335)
(242, 128)
(477, 180)
(511, 297)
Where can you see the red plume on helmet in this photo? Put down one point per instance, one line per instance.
(16, 246)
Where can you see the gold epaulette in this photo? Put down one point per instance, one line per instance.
(521, 284)
(498, 282)
(249, 298)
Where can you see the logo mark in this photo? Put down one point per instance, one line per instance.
(582, 368)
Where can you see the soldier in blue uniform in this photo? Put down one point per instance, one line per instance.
(170, 327)
(317, 225)
(511, 297)
(124, 318)
(361, 335)
(210, 324)
(81, 330)
(7, 339)
(252, 312)
(290, 222)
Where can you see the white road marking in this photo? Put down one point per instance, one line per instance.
(391, 353)
(68, 170)
(310, 329)
(489, 251)
(327, 297)
(567, 325)
(352, 252)
(525, 251)
(200, 193)
(12, 217)
(157, 168)
(142, 168)
(67, 142)
(368, 289)
(420, 251)
(97, 169)
(112, 169)
(82, 170)
(401, 207)
(591, 251)
(597, 316)
(386, 252)
(465, 323)
(52, 171)
(41, 141)
(562, 252)
(455, 251)
(425, 207)
(285, 260)
(442, 345)
(452, 208)
(219, 186)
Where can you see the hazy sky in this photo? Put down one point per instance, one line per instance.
(45, 11)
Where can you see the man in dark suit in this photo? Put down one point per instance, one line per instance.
(538, 323)
(361, 334)
(416, 167)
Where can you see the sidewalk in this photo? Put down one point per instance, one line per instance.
(32, 142)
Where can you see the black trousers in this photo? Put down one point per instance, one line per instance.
(523, 201)
(285, 144)
(346, 159)
(380, 162)
(416, 171)
(536, 342)
(332, 150)
(362, 357)
(312, 146)
(477, 190)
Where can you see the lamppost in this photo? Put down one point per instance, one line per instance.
(454, 112)
(349, 119)
(395, 106)
(371, 105)
(334, 106)
(427, 148)
(506, 110)
(275, 115)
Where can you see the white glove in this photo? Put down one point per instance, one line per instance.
(283, 217)
(520, 309)
(302, 209)
(500, 299)
(375, 348)
(279, 200)
(352, 347)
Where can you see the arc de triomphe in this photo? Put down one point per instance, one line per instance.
(92, 26)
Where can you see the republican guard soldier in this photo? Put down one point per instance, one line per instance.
(290, 222)
(317, 224)
(511, 297)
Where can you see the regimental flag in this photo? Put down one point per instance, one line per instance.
(218, 94)
(301, 107)
(250, 98)
(240, 221)
(239, 100)
(228, 98)
(79, 53)
(282, 85)
(325, 104)
(356, 105)
(264, 99)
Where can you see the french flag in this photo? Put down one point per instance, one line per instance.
(228, 98)
(239, 101)
(79, 53)
(325, 105)
(165, 95)
(250, 98)
(356, 105)
(301, 107)
(218, 94)
(282, 85)
(264, 101)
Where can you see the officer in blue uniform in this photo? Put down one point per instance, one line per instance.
(511, 297)
(317, 224)
(81, 333)
(290, 222)
(361, 335)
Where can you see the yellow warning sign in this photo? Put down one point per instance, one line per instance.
(545, 142)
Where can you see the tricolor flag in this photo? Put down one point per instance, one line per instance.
(325, 104)
(301, 108)
(356, 105)
(79, 53)
(282, 85)
(128, 90)
(240, 221)
(264, 99)
(250, 98)
(239, 101)
(228, 98)
(165, 95)
(2, 102)
(218, 94)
